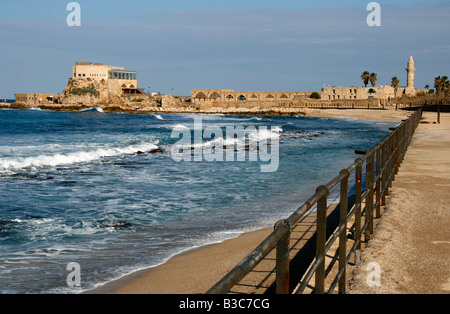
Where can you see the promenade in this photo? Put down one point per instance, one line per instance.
(411, 243)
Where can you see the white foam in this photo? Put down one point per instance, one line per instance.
(180, 127)
(97, 109)
(157, 116)
(230, 141)
(42, 161)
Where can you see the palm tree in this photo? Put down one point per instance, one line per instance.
(442, 85)
(437, 82)
(373, 79)
(394, 83)
(365, 77)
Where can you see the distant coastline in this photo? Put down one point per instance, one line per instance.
(241, 110)
(389, 113)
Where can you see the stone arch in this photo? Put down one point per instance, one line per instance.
(132, 86)
(214, 96)
(253, 96)
(200, 95)
(230, 97)
(284, 96)
(270, 96)
(242, 98)
(124, 86)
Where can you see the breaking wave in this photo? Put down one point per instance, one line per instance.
(43, 161)
(95, 109)
(254, 136)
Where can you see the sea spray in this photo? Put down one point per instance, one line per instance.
(17, 164)
(248, 142)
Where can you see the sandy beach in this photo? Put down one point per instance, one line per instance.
(379, 115)
(196, 271)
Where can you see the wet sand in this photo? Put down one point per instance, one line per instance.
(196, 271)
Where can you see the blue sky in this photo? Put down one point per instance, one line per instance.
(209, 44)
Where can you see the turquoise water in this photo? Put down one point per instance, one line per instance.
(102, 189)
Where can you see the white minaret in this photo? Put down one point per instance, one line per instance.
(410, 70)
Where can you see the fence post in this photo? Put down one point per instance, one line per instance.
(378, 194)
(369, 196)
(321, 240)
(391, 160)
(383, 174)
(282, 262)
(343, 235)
(396, 148)
(358, 205)
(401, 141)
(438, 114)
(410, 129)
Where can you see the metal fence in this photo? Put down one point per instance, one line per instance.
(381, 164)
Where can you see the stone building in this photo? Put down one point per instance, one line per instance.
(93, 83)
(384, 93)
(380, 94)
(119, 81)
(35, 99)
(355, 92)
(230, 96)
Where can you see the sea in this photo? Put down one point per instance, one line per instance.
(9, 101)
(103, 190)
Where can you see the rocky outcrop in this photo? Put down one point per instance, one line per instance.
(88, 92)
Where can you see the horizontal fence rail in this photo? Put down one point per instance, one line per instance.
(378, 166)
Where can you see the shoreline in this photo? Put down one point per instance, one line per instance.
(365, 114)
(209, 263)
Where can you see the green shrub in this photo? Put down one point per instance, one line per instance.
(84, 91)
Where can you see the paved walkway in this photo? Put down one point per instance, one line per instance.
(411, 243)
